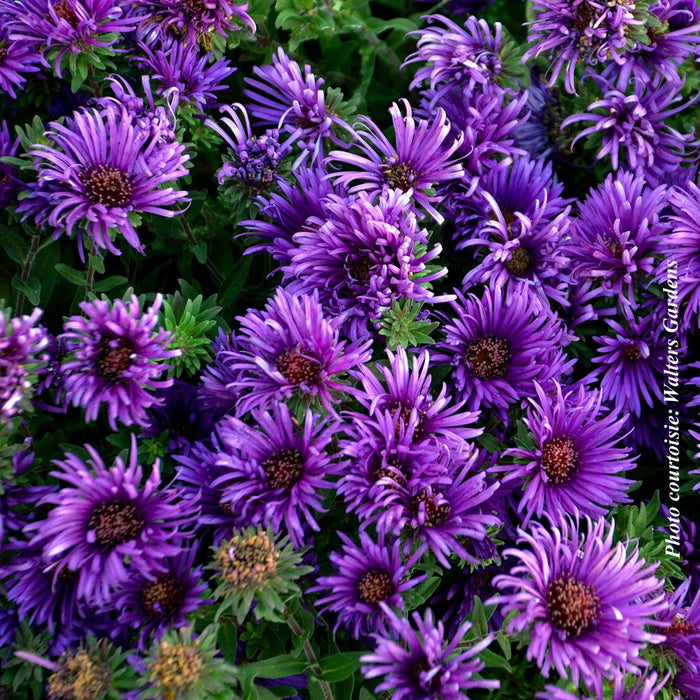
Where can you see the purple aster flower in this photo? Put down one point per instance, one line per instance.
(470, 56)
(296, 205)
(277, 471)
(196, 475)
(576, 459)
(582, 31)
(616, 235)
(631, 359)
(292, 349)
(50, 395)
(114, 359)
(283, 97)
(585, 600)
(59, 30)
(179, 416)
(421, 158)
(254, 160)
(158, 121)
(541, 134)
(10, 183)
(154, 603)
(645, 688)
(181, 67)
(519, 222)
(441, 512)
(499, 345)
(105, 516)
(421, 664)
(18, 500)
(633, 127)
(680, 271)
(673, 32)
(683, 627)
(44, 594)
(195, 22)
(509, 202)
(404, 391)
(365, 577)
(487, 121)
(16, 57)
(99, 169)
(383, 454)
(363, 256)
(219, 390)
(20, 345)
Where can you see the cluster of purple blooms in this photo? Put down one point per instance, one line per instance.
(490, 467)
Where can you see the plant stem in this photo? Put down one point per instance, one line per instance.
(310, 655)
(190, 237)
(90, 273)
(34, 246)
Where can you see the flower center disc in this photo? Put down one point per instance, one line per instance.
(520, 261)
(560, 460)
(162, 597)
(375, 586)
(435, 514)
(64, 11)
(283, 469)
(488, 357)
(296, 368)
(632, 353)
(113, 359)
(115, 522)
(106, 185)
(572, 606)
(399, 176)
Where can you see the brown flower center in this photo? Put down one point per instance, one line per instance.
(615, 247)
(283, 469)
(435, 514)
(162, 597)
(488, 357)
(115, 522)
(585, 13)
(632, 353)
(520, 261)
(681, 626)
(4, 52)
(296, 368)
(106, 185)
(572, 606)
(375, 586)
(400, 176)
(114, 357)
(361, 269)
(560, 460)
(402, 410)
(64, 11)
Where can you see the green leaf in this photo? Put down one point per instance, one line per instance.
(493, 660)
(274, 667)
(109, 283)
(72, 275)
(31, 288)
(228, 641)
(338, 667)
(235, 281)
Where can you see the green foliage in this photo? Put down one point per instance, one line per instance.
(401, 325)
(193, 321)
